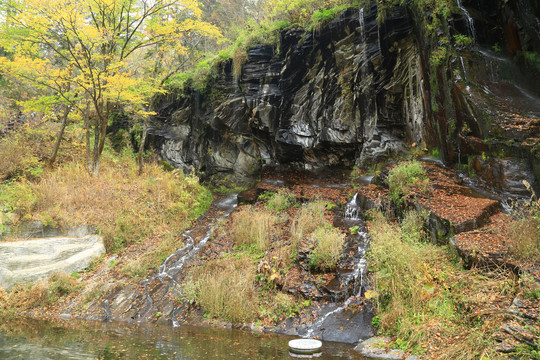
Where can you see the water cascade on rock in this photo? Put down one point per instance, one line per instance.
(463, 66)
(470, 21)
(357, 278)
(352, 211)
(172, 266)
(362, 24)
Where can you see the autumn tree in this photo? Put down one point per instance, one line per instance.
(92, 54)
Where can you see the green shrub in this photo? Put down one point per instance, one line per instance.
(18, 196)
(532, 59)
(280, 200)
(463, 40)
(405, 177)
(328, 249)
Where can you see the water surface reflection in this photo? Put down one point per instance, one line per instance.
(42, 340)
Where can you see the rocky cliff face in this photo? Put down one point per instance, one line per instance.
(355, 92)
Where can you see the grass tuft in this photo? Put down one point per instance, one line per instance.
(251, 226)
(279, 201)
(328, 249)
(225, 288)
(309, 217)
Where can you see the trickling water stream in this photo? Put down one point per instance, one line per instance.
(352, 212)
(362, 23)
(463, 66)
(196, 238)
(470, 21)
(356, 278)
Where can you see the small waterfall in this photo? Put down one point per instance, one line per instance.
(358, 276)
(470, 20)
(352, 211)
(464, 69)
(362, 24)
(358, 279)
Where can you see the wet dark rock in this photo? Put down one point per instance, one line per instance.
(520, 333)
(521, 327)
(360, 92)
(377, 348)
(248, 197)
(505, 175)
(330, 98)
(346, 326)
(309, 291)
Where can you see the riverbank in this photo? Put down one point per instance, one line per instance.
(280, 288)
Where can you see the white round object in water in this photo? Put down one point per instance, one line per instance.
(305, 346)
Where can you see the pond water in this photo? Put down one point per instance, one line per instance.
(42, 340)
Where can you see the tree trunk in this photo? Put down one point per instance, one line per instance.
(100, 132)
(140, 158)
(87, 129)
(94, 164)
(67, 110)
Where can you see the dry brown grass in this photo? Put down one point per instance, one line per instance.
(3, 297)
(328, 249)
(239, 58)
(309, 218)
(15, 158)
(125, 206)
(24, 152)
(252, 226)
(42, 293)
(524, 231)
(420, 293)
(225, 288)
(525, 238)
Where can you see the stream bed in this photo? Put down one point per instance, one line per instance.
(43, 340)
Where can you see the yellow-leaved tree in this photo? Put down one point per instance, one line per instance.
(90, 55)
